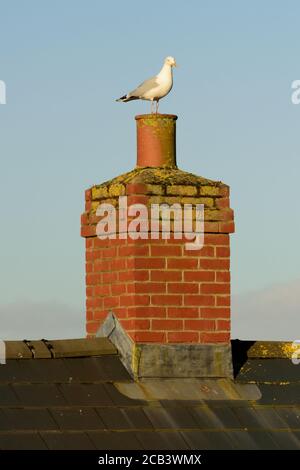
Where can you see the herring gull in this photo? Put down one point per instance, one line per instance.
(154, 88)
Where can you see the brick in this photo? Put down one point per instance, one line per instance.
(226, 227)
(118, 264)
(223, 300)
(223, 276)
(166, 276)
(89, 315)
(216, 239)
(137, 199)
(223, 202)
(147, 312)
(102, 289)
(88, 195)
(215, 312)
(205, 252)
(88, 231)
(182, 263)
(136, 188)
(214, 337)
(183, 312)
(146, 263)
(102, 265)
(207, 201)
(225, 190)
(223, 325)
(199, 276)
(183, 337)
(100, 315)
(133, 250)
(182, 190)
(209, 190)
(139, 275)
(211, 227)
(183, 288)
(99, 192)
(149, 287)
(94, 302)
(84, 219)
(166, 299)
(208, 263)
(89, 242)
(89, 290)
(92, 327)
(135, 324)
(92, 279)
(201, 325)
(167, 325)
(118, 289)
(130, 300)
(223, 252)
(111, 302)
(116, 190)
(109, 277)
(165, 250)
(148, 336)
(199, 300)
(215, 288)
(121, 312)
(89, 268)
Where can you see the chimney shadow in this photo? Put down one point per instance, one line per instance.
(239, 354)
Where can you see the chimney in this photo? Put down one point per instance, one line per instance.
(165, 307)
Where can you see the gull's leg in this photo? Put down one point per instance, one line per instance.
(157, 106)
(151, 106)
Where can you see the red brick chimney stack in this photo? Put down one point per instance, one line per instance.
(160, 292)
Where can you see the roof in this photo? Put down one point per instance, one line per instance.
(76, 394)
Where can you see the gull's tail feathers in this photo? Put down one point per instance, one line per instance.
(126, 98)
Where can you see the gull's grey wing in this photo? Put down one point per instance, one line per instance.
(144, 87)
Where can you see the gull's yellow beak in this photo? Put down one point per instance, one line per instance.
(176, 65)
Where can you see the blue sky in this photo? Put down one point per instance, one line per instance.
(64, 63)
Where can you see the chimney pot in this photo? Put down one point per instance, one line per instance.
(156, 140)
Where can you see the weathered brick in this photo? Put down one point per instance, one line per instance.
(214, 337)
(182, 190)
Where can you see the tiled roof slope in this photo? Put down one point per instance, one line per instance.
(71, 395)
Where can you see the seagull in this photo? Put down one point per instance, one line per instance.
(154, 88)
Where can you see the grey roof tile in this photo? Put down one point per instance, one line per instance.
(286, 440)
(171, 417)
(67, 441)
(160, 440)
(208, 440)
(76, 418)
(8, 396)
(28, 419)
(39, 395)
(22, 441)
(85, 394)
(114, 440)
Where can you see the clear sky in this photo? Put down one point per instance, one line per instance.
(65, 62)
